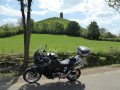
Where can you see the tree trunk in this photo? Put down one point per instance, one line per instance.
(27, 32)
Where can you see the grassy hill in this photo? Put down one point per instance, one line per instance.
(52, 25)
(54, 19)
(15, 44)
(49, 24)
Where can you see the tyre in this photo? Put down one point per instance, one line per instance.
(74, 75)
(31, 77)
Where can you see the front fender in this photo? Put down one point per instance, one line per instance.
(34, 69)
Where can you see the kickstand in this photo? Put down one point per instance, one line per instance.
(58, 82)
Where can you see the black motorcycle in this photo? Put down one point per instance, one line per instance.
(50, 66)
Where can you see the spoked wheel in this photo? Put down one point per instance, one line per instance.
(31, 77)
(74, 75)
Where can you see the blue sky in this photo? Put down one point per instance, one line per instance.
(82, 11)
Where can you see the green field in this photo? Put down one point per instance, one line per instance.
(15, 44)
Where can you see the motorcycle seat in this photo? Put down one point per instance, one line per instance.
(65, 62)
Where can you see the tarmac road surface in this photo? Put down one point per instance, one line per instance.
(91, 79)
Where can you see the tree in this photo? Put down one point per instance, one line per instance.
(59, 28)
(32, 25)
(110, 35)
(114, 4)
(27, 29)
(19, 22)
(103, 30)
(44, 28)
(84, 33)
(93, 31)
(119, 34)
(73, 28)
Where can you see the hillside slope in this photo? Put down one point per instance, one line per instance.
(55, 19)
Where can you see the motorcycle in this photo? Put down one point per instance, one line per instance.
(50, 66)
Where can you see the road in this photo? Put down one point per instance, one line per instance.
(96, 79)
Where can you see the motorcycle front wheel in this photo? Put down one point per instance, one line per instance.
(74, 75)
(31, 76)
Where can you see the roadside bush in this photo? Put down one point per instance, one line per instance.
(102, 58)
(96, 59)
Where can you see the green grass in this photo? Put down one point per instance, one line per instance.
(15, 44)
(54, 19)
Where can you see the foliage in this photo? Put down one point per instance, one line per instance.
(102, 58)
(93, 31)
(48, 26)
(110, 39)
(114, 4)
(84, 33)
(8, 30)
(51, 26)
(56, 28)
(96, 59)
(52, 20)
(119, 34)
(108, 35)
(103, 30)
(73, 28)
(105, 34)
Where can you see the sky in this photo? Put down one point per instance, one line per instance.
(82, 11)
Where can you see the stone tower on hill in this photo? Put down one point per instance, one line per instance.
(61, 14)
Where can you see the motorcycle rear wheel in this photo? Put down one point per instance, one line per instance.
(31, 76)
(74, 77)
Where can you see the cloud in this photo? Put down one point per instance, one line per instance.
(115, 30)
(52, 5)
(8, 11)
(8, 20)
(104, 14)
(71, 3)
(102, 21)
(62, 5)
(39, 12)
(100, 12)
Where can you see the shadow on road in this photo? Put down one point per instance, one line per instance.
(77, 85)
(7, 82)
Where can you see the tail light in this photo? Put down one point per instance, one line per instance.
(89, 54)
